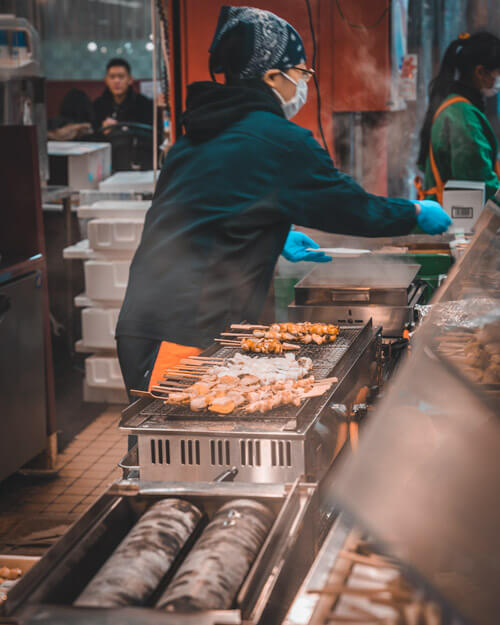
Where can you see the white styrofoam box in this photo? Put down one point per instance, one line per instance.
(114, 234)
(104, 395)
(106, 279)
(83, 301)
(136, 181)
(91, 196)
(114, 208)
(83, 251)
(103, 372)
(88, 164)
(98, 327)
(463, 200)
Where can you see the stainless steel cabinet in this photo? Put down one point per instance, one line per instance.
(23, 412)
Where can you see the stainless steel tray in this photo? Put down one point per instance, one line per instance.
(353, 281)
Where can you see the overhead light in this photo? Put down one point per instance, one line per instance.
(91, 46)
(103, 49)
(150, 46)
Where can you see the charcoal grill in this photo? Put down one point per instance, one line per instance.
(46, 593)
(279, 446)
(356, 290)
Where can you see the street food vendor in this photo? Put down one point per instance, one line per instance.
(229, 191)
(457, 141)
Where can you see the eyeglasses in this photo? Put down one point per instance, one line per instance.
(309, 73)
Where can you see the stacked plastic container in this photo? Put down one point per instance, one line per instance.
(114, 229)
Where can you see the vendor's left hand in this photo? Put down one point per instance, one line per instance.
(296, 249)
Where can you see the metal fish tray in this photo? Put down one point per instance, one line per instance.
(44, 596)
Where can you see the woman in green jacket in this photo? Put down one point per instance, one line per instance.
(457, 141)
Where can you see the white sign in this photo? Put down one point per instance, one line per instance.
(408, 78)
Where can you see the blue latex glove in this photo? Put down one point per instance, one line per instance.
(296, 246)
(432, 218)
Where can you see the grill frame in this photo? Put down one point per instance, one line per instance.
(307, 438)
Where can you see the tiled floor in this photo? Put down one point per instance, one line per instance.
(88, 467)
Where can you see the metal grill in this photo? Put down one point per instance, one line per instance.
(279, 446)
(324, 357)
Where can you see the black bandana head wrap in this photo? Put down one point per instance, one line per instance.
(266, 41)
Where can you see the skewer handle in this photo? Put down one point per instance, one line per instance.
(247, 326)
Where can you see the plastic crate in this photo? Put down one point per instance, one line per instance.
(106, 280)
(103, 372)
(98, 327)
(114, 234)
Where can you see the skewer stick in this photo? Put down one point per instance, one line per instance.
(248, 326)
(227, 342)
(166, 389)
(203, 358)
(372, 560)
(182, 375)
(138, 393)
(172, 383)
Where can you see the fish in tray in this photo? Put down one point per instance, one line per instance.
(212, 573)
(139, 563)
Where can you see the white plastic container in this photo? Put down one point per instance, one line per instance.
(464, 200)
(98, 327)
(106, 280)
(96, 394)
(103, 372)
(137, 181)
(110, 234)
(78, 164)
(128, 209)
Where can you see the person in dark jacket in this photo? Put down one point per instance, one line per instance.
(119, 102)
(75, 118)
(230, 190)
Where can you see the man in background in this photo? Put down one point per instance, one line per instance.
(119, 102)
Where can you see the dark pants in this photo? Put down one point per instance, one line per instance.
(137, 358)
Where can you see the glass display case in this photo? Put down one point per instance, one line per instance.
(425, 480)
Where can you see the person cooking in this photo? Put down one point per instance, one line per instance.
(228, 193)
(119, 102)
(457, 141)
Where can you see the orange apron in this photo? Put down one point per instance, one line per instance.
(169, 355)
(437, 190)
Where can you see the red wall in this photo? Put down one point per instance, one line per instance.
(353, 63)
(360, 57)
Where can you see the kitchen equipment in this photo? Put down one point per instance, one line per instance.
(23, 424)
(355, 290)
(22, 85)
(279, 446)
(46, 593)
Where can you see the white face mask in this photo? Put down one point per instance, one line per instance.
(293, 106)
(492, 91)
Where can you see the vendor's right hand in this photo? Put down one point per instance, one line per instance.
(431, 217)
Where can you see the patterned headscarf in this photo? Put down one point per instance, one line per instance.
(269, 42)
